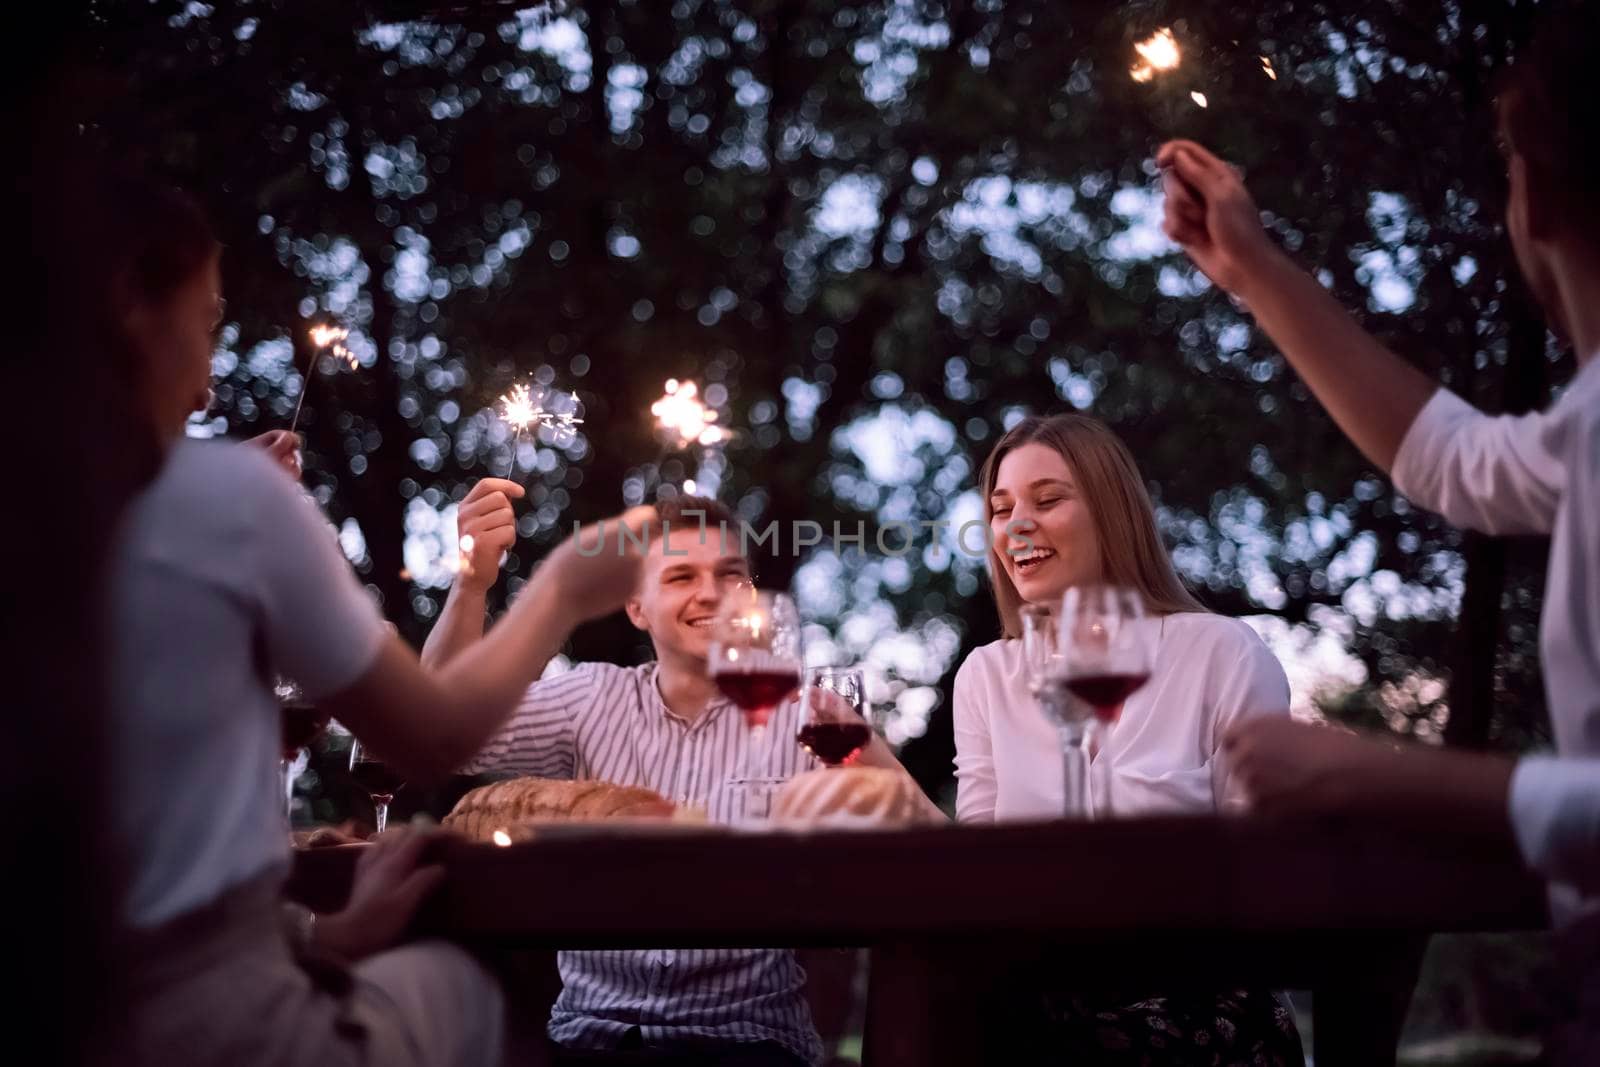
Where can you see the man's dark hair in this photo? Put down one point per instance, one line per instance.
(686, 512)
(1550, 114)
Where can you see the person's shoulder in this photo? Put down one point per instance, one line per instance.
(986, 659)
(1217, 635)
(1581, 400)
(207, 488)
(590, 679)
(229, 471)
(234, 459)
(1583, 390)
(989, 665)
(639, 674)
(1230, 649)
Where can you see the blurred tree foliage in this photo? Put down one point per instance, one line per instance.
(898, 221)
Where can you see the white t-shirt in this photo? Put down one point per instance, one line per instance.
(1164, 754)
(1537, 473)
(225, 574)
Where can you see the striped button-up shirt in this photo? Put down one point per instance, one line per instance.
(610, 723)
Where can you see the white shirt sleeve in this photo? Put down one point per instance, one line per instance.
(1496, 474)
(976, 787)
(322, 629)
(1253, 686)
(1555, 813)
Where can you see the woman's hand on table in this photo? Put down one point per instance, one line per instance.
(389, 886)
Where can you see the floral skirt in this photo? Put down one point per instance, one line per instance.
(1241, 1028)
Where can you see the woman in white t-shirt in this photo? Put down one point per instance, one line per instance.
(223, 575)
(1066, 506)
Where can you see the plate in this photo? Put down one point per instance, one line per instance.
(623, 826)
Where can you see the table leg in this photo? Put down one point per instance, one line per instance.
(917, 1014)
(1358, 1010)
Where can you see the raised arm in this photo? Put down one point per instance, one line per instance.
(1372, 394)
(322, 629)
(486, 517)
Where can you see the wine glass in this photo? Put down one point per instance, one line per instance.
(1106, 650)
(754, 656)
(302, 723)
(380, 783)
(1044, 667)
(1105, 643)
(834, 726)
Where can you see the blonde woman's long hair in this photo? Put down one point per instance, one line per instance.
(1124, 521)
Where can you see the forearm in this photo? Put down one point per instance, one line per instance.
(428, 723)
(1469, 790)
(1372, 393)
(460, 626)
(487, 679)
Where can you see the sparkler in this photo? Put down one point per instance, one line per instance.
(524, 409)
(329, 339)
(682, 419)
(1157, 53)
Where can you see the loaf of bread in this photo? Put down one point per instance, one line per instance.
(503, 805)
(848, 795)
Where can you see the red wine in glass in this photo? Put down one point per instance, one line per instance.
(1106, 692)
(757, 692)
(380, 783)
(834, 743)
(302, 724)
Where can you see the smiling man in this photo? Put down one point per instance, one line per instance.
(662, 725)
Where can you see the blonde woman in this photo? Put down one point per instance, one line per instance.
(1066, 506)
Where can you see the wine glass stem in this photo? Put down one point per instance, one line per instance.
(1075, 771)
(286, 783)
(380, 815)
(1099, 738)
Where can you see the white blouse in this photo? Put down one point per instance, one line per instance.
(1164, 754)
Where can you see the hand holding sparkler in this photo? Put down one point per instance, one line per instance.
(486, 528)
(283, 448)
(1211, 214)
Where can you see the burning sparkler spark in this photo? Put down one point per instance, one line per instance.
(522, 409)
(1157, 53)
(518, 409)
(682, 419)
(329, 339)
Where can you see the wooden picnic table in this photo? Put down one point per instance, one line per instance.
(952, 914)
